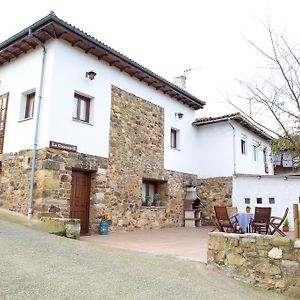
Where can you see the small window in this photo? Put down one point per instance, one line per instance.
(174, 138)
(259, 200)
(243, 144)
(29, 105)
(271, 200)
(81, 108)
(149, 189)
(255, 152)
(247, 200)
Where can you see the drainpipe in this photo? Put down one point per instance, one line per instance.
(233, 145)
(36, 131)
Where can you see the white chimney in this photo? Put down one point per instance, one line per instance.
(180, 81)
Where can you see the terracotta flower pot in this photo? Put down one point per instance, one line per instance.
(285, 228)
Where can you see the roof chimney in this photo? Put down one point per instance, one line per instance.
(180, 81)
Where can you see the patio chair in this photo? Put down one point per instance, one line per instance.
(276, 222)
(224, 222)
(261, 220)
(231, 210)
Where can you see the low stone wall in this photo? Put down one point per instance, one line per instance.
(214, 192)
(266, 261)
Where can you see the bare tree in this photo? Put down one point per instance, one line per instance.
(277, 92)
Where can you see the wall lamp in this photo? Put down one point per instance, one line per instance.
(90, 75)
(285, 178)
(179, 115)
(258, 177)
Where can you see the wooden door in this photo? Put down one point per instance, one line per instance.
(80, 199)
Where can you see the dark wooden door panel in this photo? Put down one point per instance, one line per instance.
(80, 198)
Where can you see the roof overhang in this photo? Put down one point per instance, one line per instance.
(237, 117)
(51, 27)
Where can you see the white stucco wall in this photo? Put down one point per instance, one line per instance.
(216, 155)
(285, 191)
(215, 150)
(65, 73)
(18, 77)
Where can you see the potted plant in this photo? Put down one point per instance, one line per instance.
(286, 224)
(156, 200)
(148, 200)
(248, 209)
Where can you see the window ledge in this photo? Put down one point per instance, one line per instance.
(23, 120)
(82, 122)
(175, 149)
(153, 207)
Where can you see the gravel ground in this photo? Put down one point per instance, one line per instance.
(38, 265)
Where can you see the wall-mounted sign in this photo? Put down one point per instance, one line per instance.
(62, 146)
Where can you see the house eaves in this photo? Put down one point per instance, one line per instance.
(51, 27)
(237, 117)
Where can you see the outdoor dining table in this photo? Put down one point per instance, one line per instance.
(244, 220)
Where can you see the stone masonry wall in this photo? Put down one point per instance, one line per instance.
(214, 192)
(53, 179)
(137, 153)
(267, 261)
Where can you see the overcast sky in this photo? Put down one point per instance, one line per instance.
(169, 36)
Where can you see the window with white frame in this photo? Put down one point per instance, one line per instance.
(174, 138)
(244, 144)
(255, 151)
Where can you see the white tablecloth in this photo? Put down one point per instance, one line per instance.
(244, 220)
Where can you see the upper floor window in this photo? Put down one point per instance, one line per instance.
(174, 138)
(29, 105)
(81, 108)
(255, 151)
(244, 144)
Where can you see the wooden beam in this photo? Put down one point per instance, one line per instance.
(134, 73)
(296, 221)
(123, 69)
(141, 79)
(54, 31)
(50, 34)
(102, 55)
(114, 62)
(88, 50)
(20, 48)
(13, 54)
(59, 35)
(76, 43)
(29, 44)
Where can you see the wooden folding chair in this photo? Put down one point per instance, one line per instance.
(276, 222)
(224, 222)
(261, 220)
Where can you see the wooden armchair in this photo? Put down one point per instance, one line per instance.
(261, 220)
(276, 222)
(224, 222)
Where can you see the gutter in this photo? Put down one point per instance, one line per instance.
(233, 145)
(36, 131)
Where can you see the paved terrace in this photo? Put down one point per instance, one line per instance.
(183, 242)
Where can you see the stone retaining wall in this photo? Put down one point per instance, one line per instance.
(267, 261)
(215, 191)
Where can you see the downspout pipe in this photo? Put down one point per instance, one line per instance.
(233, 145)
(37, 121)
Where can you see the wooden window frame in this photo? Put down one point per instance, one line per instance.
(80, 98)
(29, 97)
(255, 152)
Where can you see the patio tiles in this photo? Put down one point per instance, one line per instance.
(184, 242)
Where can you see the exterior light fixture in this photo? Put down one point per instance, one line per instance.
(258, 177)
(90, 75)
(179, 115)
(285, 178)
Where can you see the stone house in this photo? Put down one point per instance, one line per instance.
(85, 132)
